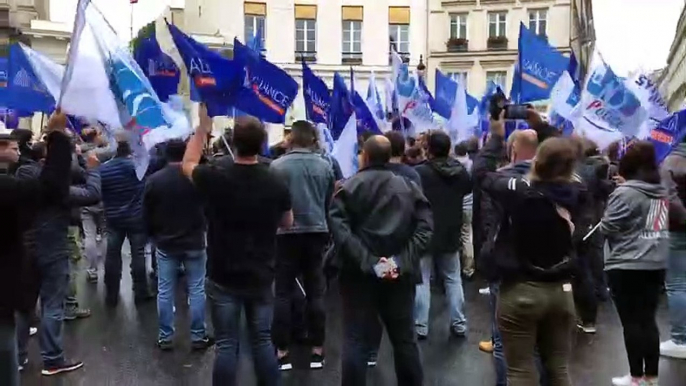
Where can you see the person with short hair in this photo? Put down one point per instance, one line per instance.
(396, 164)
(379, 259)
(245, 205)
(310, 180)
(445, 182)
(175, 222)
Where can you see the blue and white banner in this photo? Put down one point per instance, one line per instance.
(317, 96)
(23, 89)
(646, 91)
(461, 125)
(668, 133)
(413, 103)
(539, 68)
(608, 110)
(374, 99)
(158, 67)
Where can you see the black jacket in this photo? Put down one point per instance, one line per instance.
(378, 214)
(445, 182)
(21, 198)
(529, 252)
(484, 215)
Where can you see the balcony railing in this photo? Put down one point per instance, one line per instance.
(307, 56)
(457, 45)
(352, 58)
(497, 43)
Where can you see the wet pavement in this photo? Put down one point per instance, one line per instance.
(118, 348)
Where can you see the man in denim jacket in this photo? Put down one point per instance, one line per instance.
(310, 180)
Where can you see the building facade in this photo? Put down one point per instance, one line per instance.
(673, 78)
(330, 35)
(476, 40)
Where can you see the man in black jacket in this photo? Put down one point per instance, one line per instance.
(19, 199)
(380, 261)
(445, 182)
(174, 219)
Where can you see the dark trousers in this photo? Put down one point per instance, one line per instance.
(536, 315)
(300, 255)
(589, 280)
(113, 262)
(636, 294)
(9, 366)
(365, 300)
(226, 309)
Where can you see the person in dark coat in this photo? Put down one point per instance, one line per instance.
(20, 199)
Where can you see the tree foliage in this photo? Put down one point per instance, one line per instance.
(147, 31)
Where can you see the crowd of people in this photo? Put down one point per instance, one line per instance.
(552, 225)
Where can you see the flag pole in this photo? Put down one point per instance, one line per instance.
(131, 20)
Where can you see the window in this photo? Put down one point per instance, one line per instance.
(497, 77)
(352, 40)
(400, 37)
(497, 24)
(306, 32)
(538, 21)
(253, 24)
(458, 26)
(459, 76)
(254, 21)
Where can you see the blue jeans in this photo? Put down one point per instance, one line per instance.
(676, 287)
(169, 265)
(226, 309)
(113, 261)
(9, 365)
(448, 265)
(53, 289)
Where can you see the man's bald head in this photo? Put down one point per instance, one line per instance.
(522, 145)
(376, 151)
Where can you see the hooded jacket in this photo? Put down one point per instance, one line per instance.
(673, 173)
(636, 227)
(445, 182)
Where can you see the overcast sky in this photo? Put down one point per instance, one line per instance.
(635, 34)
(631, 34)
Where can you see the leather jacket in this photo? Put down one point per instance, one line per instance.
(379, 214)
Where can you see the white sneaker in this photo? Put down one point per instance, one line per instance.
(33, 331)
(626, 380)
(650, 382)
(485, 291)
(673, 350)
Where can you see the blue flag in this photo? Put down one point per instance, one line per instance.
(668, 134)
(446, 90)
(158, 67)
(317, 96)
(214, 77)
(365, 119)
(266, 91)
(341, 108)
(255, 43)
(24, 91)
(538, 69)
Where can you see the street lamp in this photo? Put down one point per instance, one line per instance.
(421, 68)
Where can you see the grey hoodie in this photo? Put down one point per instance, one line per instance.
(636, 226)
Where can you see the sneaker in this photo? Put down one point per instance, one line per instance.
(673, 350)
(627, 380)
(165, 345)
(77, 313)
(63, 368)
(203, 344)
(486, 346)
(422, 337)
(650, 381)
(144, 298)
(485, 291)
(23, 364)
(285, 363)
(587, 328)
(33, 331)
(317, 361)
(371, 363)
(455, 333)
(92, 276)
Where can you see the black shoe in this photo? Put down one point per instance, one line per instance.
(63, 368)
(317, 361)
(203, 344)
(285, 363)
(23, 364)
(422, 337)
(143, 298)
(112, 301)
(457, 333)
(165, 345)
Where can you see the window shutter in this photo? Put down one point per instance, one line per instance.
(398, 15)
